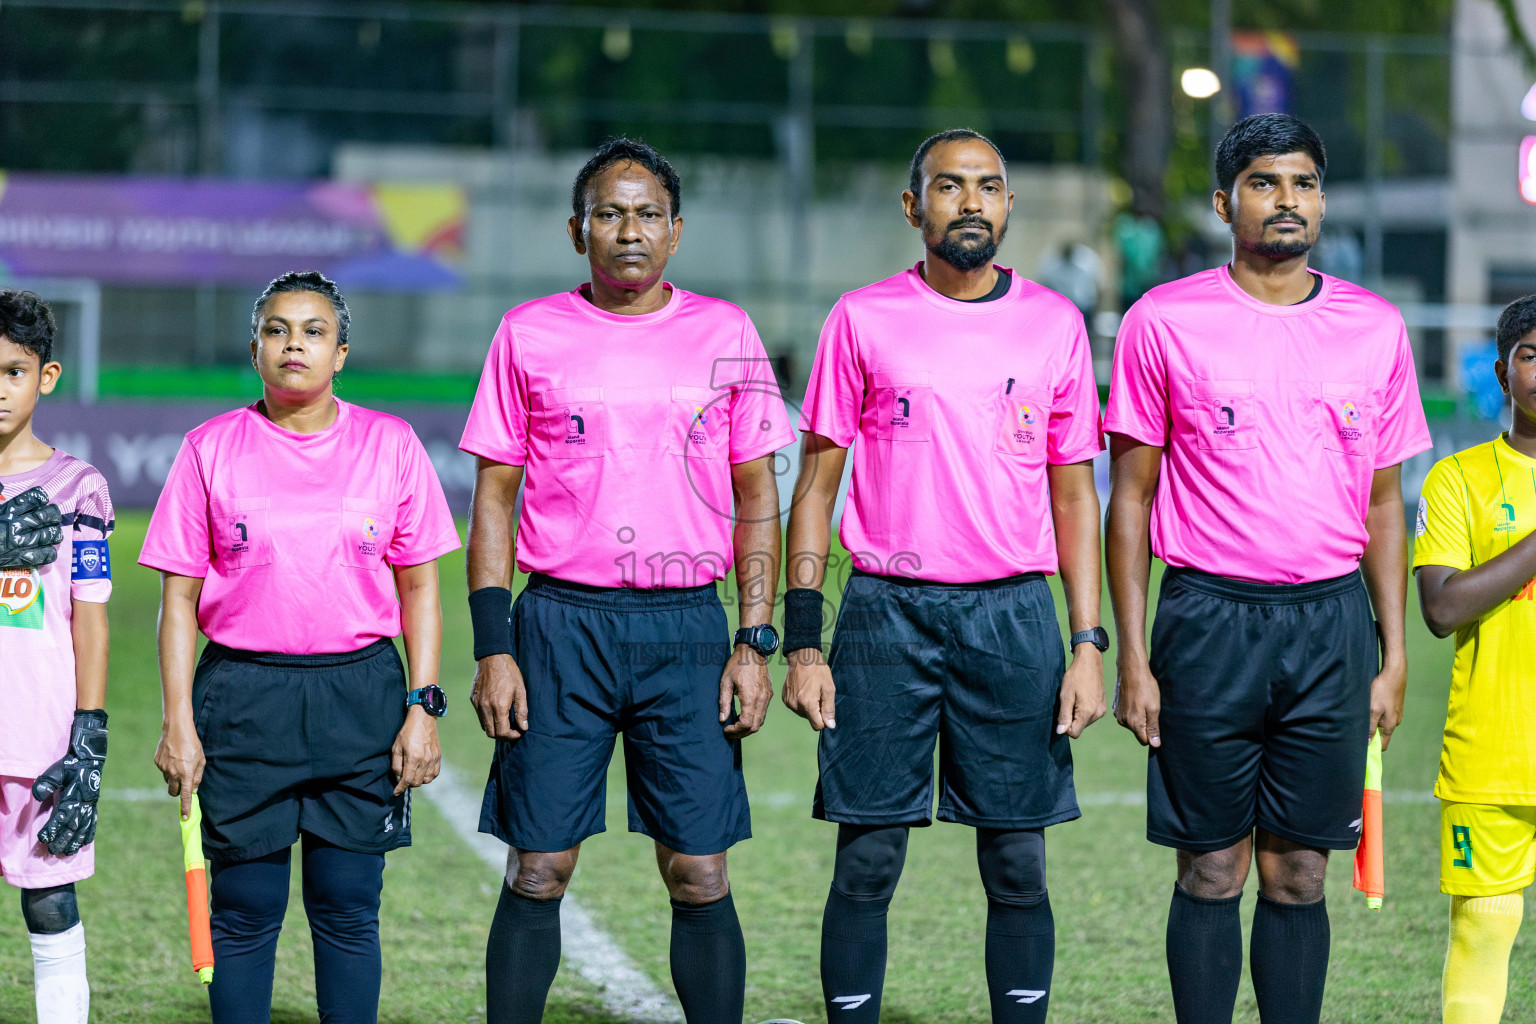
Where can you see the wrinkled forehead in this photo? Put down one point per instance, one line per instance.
(626, 185)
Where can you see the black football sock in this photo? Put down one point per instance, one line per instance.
(709, 961)
(853, 939)
(853, 957)
(1021, 953)
(1288, 955)
(521, 958)
(1205, 957)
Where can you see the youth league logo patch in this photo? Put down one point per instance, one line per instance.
(90, 561)
(1421, 522)
(368, 545)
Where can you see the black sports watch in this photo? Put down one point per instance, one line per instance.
(431, 698)
(1097, 636)
(763, 639)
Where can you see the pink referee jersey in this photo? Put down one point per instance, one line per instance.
(36, 609)
(1272, 419)
(628, 427)
(292, 533)
(957, 408)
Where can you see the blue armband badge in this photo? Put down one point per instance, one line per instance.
(90, 561)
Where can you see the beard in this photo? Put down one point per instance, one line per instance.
(1285, 248)
(967, 256)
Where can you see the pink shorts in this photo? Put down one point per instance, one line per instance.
(24, 862)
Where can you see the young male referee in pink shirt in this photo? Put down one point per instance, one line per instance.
(639, 420)
(1258, 415)
(967, 395)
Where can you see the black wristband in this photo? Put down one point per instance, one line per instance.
(490, 616)
(802, 619)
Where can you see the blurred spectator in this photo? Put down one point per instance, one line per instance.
(1075, 271)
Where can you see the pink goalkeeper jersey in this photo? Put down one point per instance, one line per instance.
(628, 427)
(957, 408)
(1272, 419)
(37, 646)
(292, 534)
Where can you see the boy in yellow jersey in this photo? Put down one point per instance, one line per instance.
(1476, 564)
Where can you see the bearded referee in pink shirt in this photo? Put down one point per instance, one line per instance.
(967, 395)
(300, 536)
(1258, 415)
(639, 421)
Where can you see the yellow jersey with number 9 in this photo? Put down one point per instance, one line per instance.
(1476, 505)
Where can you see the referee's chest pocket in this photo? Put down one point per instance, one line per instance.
(1222, 414)
(1349, 418)
(699, 423)
(1022, 413)
(570, 423)
(903, 405)
(240, 534)
(366, 530)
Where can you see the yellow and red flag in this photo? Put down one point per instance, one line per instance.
(1370, 871)
(197, 892)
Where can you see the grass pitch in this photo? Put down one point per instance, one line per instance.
(1109, 887)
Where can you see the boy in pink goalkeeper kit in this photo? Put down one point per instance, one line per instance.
(1259, 413)
(55, 579)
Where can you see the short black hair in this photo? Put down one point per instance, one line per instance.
(306, 281)
(1516, 321)
(621, 149)
(27, 321)
(915, 179)
(1266, 135)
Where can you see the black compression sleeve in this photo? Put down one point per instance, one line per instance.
(490, 615)
(802, 619)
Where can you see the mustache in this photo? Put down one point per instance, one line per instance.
(1283, 218)
(969, 222)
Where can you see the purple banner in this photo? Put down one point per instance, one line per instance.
(134, 443)
(169, 231)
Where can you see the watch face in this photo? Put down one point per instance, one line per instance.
(768, 640)
(434, 700)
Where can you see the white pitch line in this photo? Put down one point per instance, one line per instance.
(625, 990)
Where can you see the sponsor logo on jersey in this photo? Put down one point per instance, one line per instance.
(1225, 415)
(239, 534)
(1421, 523)
(1504, 518)
(576, 426)
(370, 528)
(1527, 593)
(21, 598)
(1026, 416)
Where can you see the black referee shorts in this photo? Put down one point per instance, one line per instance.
(1266, 697)
(972, 668)
(600, 661)
(300, 743)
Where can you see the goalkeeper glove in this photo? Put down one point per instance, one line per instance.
(76, 777)
(30, 531)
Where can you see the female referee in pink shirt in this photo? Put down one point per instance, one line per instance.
(299, 534)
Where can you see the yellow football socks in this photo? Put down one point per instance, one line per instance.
(1483, 929)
